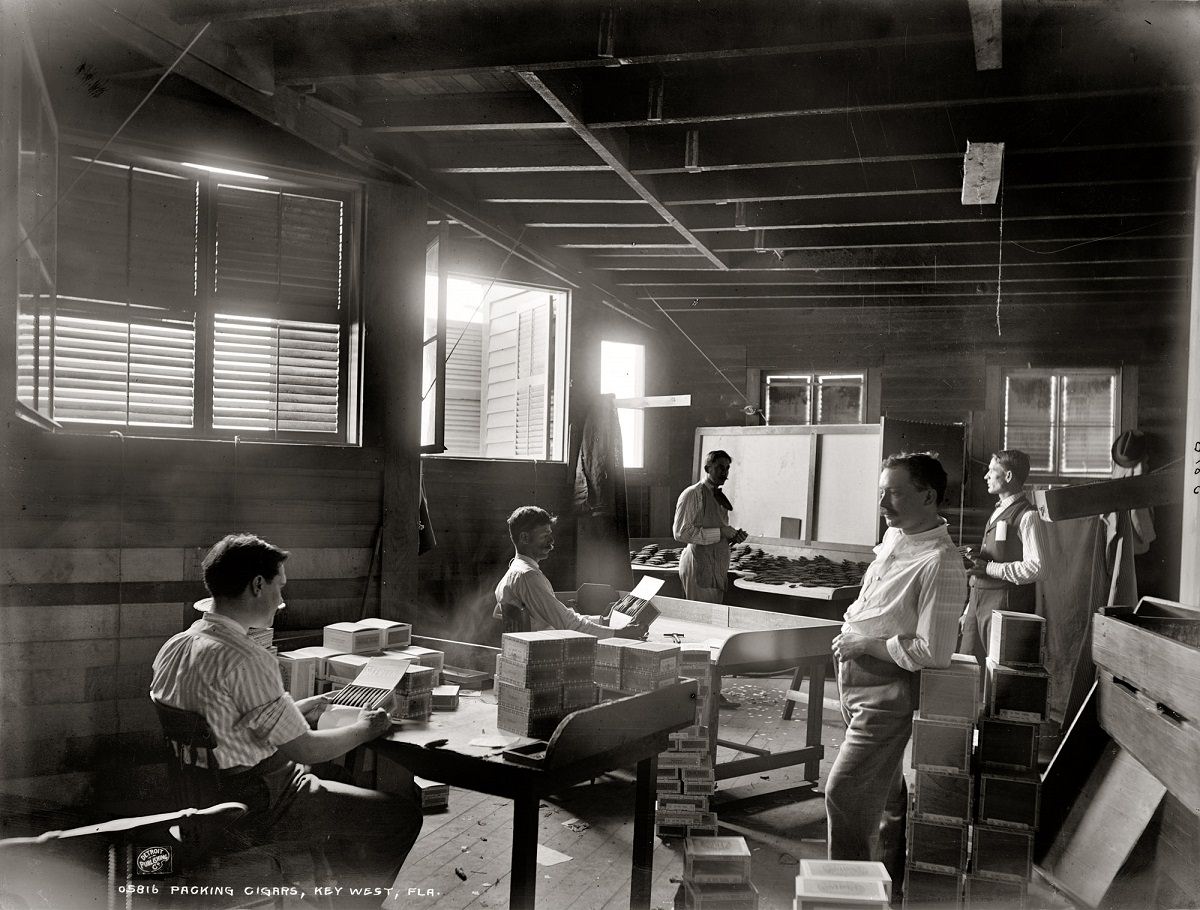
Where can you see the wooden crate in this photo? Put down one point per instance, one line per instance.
(1016, 694)
(1017, 639)
(996, 894)
(951, 693)
(1150, 691)
(942, 796)
(716, 859)
(941, 745)
(1008, 745)
(925, 888)
(741, 896)
(1009, 800)
(1003, 853)
(937, 846)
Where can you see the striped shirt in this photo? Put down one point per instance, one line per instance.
(912, 596)
(214, 669)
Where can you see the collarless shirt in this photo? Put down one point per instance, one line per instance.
(526, 585)
(912, 596)
(215, 669)
(688, 511)
(1033, 546)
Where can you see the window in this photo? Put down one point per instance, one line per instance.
(197, 304)
(820, 398)
(504, 370)
(1064, 420)
(623, 373)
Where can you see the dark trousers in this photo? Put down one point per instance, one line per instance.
(364, 834)
(865, 796)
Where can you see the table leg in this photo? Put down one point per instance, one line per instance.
(524, 853)
(788, 704)
(816, 709)
(643, 835)
(714, 708)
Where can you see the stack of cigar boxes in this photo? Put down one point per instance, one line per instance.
(942, 800)
(541, 677)
(842, 885)
(625, 667)
(716, 875)
(686, 781)
(1016, 702)
(414, 695)
(435, 797)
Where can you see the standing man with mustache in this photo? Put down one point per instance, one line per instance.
(525, 590)
(905, 619)
(702, 522)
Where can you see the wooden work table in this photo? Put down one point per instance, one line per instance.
(746, 640)
(616, 734)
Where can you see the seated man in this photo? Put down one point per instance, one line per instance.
(525, 588)
(265, 741)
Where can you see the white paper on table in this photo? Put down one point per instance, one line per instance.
(493, 741)
(337, 716)
(548, 857)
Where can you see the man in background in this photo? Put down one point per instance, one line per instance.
(702, 522)
(905, 619)
(524, 596)
(1003, 570)
(265, 740)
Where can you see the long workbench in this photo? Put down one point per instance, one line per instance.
(744, 640)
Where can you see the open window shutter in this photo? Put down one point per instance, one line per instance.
(499, 430)
(463, 370)
(517, 402)
(532, 402)
(277, 252)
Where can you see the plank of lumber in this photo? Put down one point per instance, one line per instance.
(1146, 491)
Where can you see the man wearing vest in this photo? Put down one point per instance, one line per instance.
(702, 522)
(1002, 573)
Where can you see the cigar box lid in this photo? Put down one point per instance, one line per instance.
(716, 848)
(848, 890)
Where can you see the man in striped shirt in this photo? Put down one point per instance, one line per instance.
(905, 618)
(266, 741)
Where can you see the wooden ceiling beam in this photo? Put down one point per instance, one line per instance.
(916, 299)
(243, 10)
(885, 285)
(499, 157)
(855, 177)
(1049, 127)
(1052, 268)
(559, 97)
(460, 112)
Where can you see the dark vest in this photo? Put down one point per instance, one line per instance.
(1007, 550)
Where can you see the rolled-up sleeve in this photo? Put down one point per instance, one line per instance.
(939, 604)
(535, 593)
(1030, 567)
(267, 712)
(687, 513)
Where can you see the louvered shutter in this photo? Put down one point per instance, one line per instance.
(124, 329)
(463, 369)
(277, 253)
(1029, 403)
(1088, 405)
(517, 402)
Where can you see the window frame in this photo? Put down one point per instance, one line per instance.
(208, 304)
(813, 379)
(557, 364)
(1121, 378)
(638, 392)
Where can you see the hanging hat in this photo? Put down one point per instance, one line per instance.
(1129, 448)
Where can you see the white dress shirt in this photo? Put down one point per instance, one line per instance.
(912, 596)
(1033, 545)
(524, 584)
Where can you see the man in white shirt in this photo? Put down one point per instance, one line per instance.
(905, 619)
(526, 592)
(1004, 569)
(702, 522)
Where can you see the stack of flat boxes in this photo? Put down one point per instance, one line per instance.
(541, 677)
(842, 885)
(686, 781)
(1016, 700)
(716, 875)
(940, 810)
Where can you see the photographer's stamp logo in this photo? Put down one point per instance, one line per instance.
(155, 861)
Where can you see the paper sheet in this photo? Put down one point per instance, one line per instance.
(548, 857)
